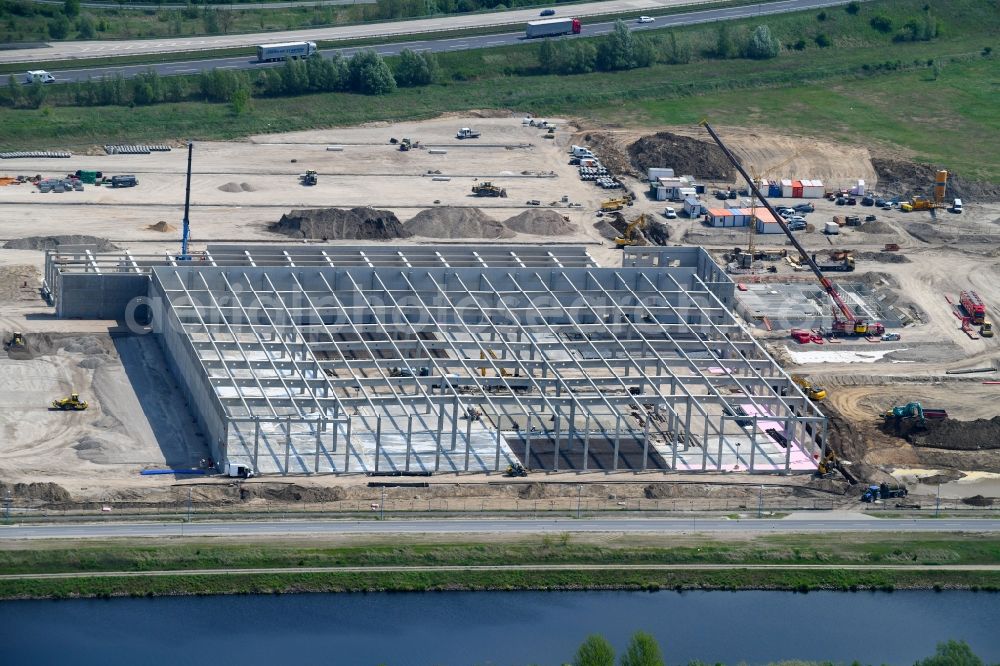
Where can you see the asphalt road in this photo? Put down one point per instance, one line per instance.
(516, 19)
(445, 45)
(516, 526)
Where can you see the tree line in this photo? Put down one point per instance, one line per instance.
(644, 650)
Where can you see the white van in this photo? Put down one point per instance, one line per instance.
(581, 151)
(39, 75)
(957, 206)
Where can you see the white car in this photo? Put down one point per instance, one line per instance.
(670, 214)
(646, 19)
(39, 75)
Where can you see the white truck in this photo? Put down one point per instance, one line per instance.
(239, 471)
(285, 51)
(39, 75)
(467, 133)
(552, 28)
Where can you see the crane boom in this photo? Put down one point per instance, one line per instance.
(823, 280)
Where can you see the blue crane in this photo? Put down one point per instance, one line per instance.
(186, 234)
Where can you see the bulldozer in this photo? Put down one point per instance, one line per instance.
(488, 189)
(73, 403)
(986, 329)
(632, 235)
(408, 144)
(308, 178)
(16, 342)
(815, 393)
(516, 469)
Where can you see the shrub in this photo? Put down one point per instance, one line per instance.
(853, 8)
(881, 23)
(762, 45)
(822, 40)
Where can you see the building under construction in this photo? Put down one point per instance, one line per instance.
(311, 359)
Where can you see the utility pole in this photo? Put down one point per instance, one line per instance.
(760, 502)
(937, 504)
(381, 506)
(579, 493)
(189, 504)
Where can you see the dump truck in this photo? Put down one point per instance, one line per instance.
(883, 491)
(844, 265)
(553, 27)
(72, 403)
(285, 51)
(973, 306)
(467, 133)
(488, 189)
(814, 392)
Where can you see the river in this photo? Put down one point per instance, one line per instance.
(501, 628)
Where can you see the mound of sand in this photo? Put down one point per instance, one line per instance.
(162, 226)
(230, 187)
(55, 242)
(683, 154)
(448, 222)
(363, 223)
(877, 227)
(540, 223)
(247, 187)
(909, 178)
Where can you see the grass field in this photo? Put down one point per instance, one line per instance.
(784, 550)
(864, 89)
(559, 549)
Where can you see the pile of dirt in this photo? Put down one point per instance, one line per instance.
(450, 222)
(609, 151)
(877, 227)
(540, 223)
(289, 492)
(162, 226)
(909, 178)
(606, 230)
(683, 154)
(657, 232)
(955, 435)
(883, 257)
(36, 492)
(363, 223)
(247, 187)
(930, 233)
(978, 500)
(230, 187)
(19, 282)
(55, 242)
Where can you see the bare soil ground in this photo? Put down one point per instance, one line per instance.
(241, 188)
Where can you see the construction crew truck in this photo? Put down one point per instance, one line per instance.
(467, 133)
(488, 189)
(883, 491)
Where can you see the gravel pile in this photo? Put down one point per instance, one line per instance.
(449, 222)
(55, 242)
(540, 223)
(363, 223)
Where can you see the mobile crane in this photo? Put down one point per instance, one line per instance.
(845, 322)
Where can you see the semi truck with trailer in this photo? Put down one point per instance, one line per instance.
(553, 27)
(285, 51)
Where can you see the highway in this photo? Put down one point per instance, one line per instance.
(270, 528)
(516, 19)
(441, 45)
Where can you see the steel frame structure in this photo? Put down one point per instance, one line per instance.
(427, 362)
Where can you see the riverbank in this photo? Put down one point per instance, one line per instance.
(425, 563)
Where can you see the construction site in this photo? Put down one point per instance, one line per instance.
(463, 300)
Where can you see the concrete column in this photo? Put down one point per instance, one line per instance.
(440, 427)
(454, 426)
(645, 442)
(333, 442)
(347, 446)
(468, 442)
(378, 440)
(409, 440)
(555, 448)
(618, 439)
(586, 441)
(319, 445)
(571, 436)
(496, 463)
(704, 447)
(288, 442)
(527, 444)
(256, 441)
(823, 446)
(790, 436)
(753, 442)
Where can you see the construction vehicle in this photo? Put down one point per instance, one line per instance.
(482, 371)
(814, 392)
(72, 403)
(828, 466)
(916, 203)
(16, 342)
(615, 203)
(631, 235)
(488, 189)
(467, 133)
(308, 178)
(973, 305)
(408, 144)
(516, 469)
(239, 471)
(883, 491)
(986, 329)
(845, 322)
(842, 264)
(914, 410)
